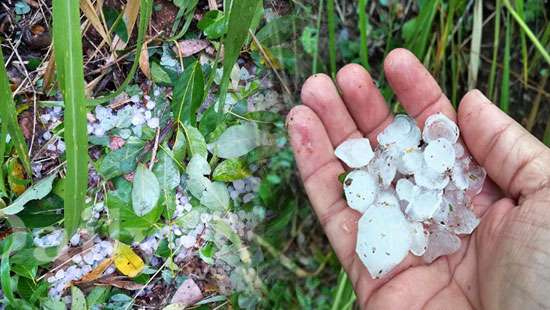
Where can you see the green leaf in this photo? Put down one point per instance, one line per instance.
(159, 75)
(68, 57)
(43, 212)
(241, 16)
(166, 171)
(180, 146)
(52, 304)
(5, 278)
(130, 227)
(121, 161)
(206, 253)
(196, 142)
(216, 196)
(213, 24)
(188, 94)
(309, 39)
(238, 140)
(78, 300)
(277, 31)
(8, 114)
(98, 295)
(230, 170)
(198, 166)
(146, 191)
(37, 191)
(197, 185)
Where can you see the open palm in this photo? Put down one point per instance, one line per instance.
(504, 264)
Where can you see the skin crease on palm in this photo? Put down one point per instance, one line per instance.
(504, 264)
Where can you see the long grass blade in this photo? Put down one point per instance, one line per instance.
(315, 64)
(344, 293)
(505, 87)
(524, 56)
(145, 11)
(9, 116)
(475, 47)
(545, 54)
(546, 138)
(363, 48)
(545, 41)
(418, 41)
(494, 61)
(241, 15)
(68, 52)
(331, 17)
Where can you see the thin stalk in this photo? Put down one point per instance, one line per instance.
(528, 32)
(363, 48)
(316, 52)
(524, 56)
(505, 87)
(331, 17)
(496, 39)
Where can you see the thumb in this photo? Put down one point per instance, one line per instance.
(514, 159)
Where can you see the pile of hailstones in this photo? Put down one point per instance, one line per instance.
(414, 191)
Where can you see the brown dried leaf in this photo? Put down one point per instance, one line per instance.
(119, 282)
(188, 293)
(89, 11)
(188, 48)
(131, 12)
(144, 61)
(97, 272)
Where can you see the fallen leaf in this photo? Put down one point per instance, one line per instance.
(119, 282)
(188, 293)
(188, 48)
(144, 61)
(97, 272)
(127, 261)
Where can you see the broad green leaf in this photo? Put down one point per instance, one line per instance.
(146, 191)
(238, 140)
(188, 94)
(128, 227)
(309, 39)
(230, 170)
(198, 166)
(277, 31)
(37, 191)
(78, 301)
(98, 295)
(180, 146)
(121, 161)
(70, 71)
(53, 304)
(8, 115)
(159, 75)
(197, 185)
(42, 213)
(196, 142)
(166, 171)
(206, 253)
(216, 196)
(213, 24)
(5, 278)
(241, 16)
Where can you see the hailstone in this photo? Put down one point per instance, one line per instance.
(414, 192)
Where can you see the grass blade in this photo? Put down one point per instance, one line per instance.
(546, 138)
(363, 47)
(331, 17)
(524, 57)
(146, 9)
(9, 116)
(418, 41)
(496, 40)
(475, 48)
(68, 52)
(505, 87)
(314, 66)
(528, 32)
(344, 295)
(240, 18)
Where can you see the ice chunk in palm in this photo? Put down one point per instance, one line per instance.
(424, 205)
(401, 133)
(440, 242)
(383, 239)
(360, 188)
(419, 238)
(355, 153)
(387, 199)
(462, 220)
(410, 161)
(440, 126)
(406, 190)
(439, 155)
(476, 177)
(429, 178)
(383, 167)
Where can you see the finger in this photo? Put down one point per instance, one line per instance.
(319, 169)
(320, 94)
(513, 158)
(415, 87)
(363, 100)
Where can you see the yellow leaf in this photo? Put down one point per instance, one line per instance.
(16, 176)
(97, 272)
(127, 261)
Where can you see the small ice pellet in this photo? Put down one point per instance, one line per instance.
(440, 126)
(355, 153)
(439, 155)
(360, 189)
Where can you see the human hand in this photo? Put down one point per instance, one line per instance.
(504, 264)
